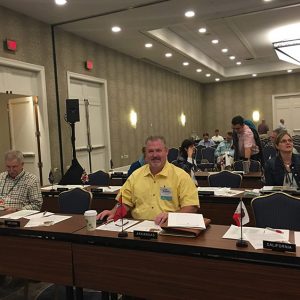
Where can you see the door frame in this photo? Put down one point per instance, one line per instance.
(87, 78)
(277, 96)
(42, 98)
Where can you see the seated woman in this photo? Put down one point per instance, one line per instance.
(185, 159)
(284, 169)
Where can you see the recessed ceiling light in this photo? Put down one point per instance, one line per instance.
(268, 0)
(189, 14)
(215, 41)
(185, 63)
(238, 63)
(217, 79)
(289, 71)
(254, 75)
(202, 30)
(199, 70)
(148, 45)
(168, 54)
(116, 29)
(60, 2)
(232, 57)
(207, 75)
(224, 50)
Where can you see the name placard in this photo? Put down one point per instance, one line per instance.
(148, 235)
(12, 223)
(62, 189)
(279, 246)
(97, 191)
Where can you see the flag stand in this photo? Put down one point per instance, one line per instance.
(123, 233)
(241, 243)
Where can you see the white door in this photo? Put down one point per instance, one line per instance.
(91, 133)
(287, 107)
(23, 131)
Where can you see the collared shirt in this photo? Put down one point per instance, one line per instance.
(217, 139)
(168, 191)
(246, 140)
(21, 192)
(224, 147)
(207, 143)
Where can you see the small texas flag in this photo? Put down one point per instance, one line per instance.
(241, 214)
(121, 211)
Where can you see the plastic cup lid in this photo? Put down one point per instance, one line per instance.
(90, 213)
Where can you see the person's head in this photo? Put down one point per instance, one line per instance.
(282, 121)
(284, 142)
(156, 153)
(217, 132)
(237, 124)
(205, 136)
(14, 162)
(229, 136)
(275, 133)
(185, 145)
(263, 121)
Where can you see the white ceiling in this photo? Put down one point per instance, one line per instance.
(242, 26)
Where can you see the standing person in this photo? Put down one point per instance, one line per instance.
(18, 189)
(284, 169)
(206, 141)
(157, 188)
(217, 138)
(263, 128)
(246, 141)
(185, 159)
(281, 124)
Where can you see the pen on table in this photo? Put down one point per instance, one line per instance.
(275, 230)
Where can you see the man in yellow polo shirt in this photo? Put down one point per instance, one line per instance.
(157, 187)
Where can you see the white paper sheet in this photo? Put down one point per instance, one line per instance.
(145, 226)
(117, 226)
(186, 220)
(227, 192)
(208, 189)
(20, 214)
(39, 215)
(46, 221)
(55, 186)
(256, 235)
(109, 189)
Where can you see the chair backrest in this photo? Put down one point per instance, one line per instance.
(269, 152)
(99, 178)
(254, 166)
(198, 154)
(277, 210)
(225, 179)
(173, 154)
(75, 201)
(209, 154)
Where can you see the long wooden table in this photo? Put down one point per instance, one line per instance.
(183, 268)
(40, 253)
(166, 268)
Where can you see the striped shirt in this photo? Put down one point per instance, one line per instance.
(21, 192)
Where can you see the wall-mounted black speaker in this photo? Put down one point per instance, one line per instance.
(72, 107)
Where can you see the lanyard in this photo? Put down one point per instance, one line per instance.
(16, 182)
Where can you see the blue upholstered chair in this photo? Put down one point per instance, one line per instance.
(277, 210)
(225, 179)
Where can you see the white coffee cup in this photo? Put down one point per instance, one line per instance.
(90, 218)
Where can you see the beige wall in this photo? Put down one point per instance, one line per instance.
(158, 96)
(222, 101)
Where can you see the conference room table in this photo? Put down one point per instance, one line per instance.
(165, 268)
(206, 267)
(40, 253)
(249, 180)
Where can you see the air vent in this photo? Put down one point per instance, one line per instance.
(149, 61)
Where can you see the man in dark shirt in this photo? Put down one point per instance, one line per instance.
(263, 128)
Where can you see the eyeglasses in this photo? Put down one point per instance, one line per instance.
(286, 141)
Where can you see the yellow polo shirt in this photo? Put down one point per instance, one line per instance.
(167, 191)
